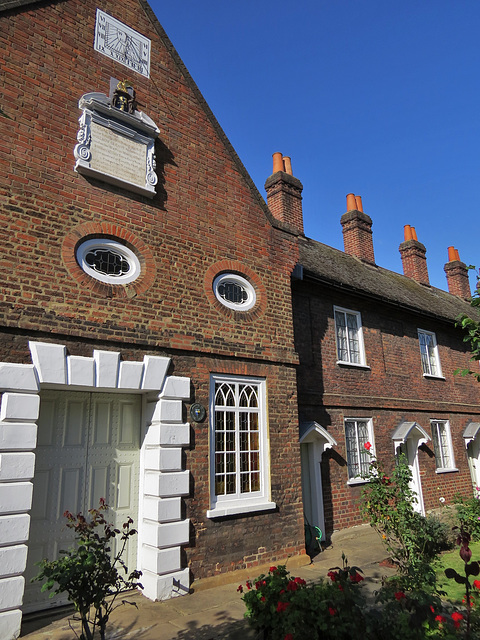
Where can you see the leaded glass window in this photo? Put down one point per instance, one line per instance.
(442, 444)
(237, 438)
(357, 434)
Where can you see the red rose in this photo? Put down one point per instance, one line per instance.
(476, 584)
(368, 446)
(332, 611)
(273, 569)
(400, 595)
(240, 588)
(281, 606)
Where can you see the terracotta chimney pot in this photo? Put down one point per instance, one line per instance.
(351, 202)
(358, 200)
(414, 234)
(452, 254)
(407, 232)
(457, 255)
(278, 162)
(288, 165)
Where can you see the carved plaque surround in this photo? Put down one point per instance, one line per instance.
(115, 146)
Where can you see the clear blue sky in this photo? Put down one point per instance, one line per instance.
(375, 97)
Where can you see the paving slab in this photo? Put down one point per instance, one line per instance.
(216, 613)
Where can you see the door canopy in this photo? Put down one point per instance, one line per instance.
(409, 430)
(314, 432)
(471, 432)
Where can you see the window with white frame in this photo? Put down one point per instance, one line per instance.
(348, 329)
(429, 353)
(359, 440)
(239, 467)
(442, 445)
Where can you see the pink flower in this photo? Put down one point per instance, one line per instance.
(400, 595)
(368, 446)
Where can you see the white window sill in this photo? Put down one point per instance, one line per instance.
(429, 375)
(223, 510)
(355, 481)
(446, 470)
(355, 365)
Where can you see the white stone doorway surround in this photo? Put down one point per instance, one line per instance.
(162, 481)
(407, 438)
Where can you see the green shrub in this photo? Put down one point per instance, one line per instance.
(468, 513)
(89, 573)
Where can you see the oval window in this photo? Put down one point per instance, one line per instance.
(108, 261)
(234, 292)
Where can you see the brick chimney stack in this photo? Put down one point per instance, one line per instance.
(413, 256)
(457, 275)
(357, 230)
(284, 193)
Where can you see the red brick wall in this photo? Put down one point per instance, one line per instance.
(391, 391)
(206, 217)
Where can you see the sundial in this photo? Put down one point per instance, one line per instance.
(121, 43)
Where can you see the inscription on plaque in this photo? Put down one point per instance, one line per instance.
(118, 156)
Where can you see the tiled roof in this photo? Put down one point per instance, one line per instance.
(345, 272)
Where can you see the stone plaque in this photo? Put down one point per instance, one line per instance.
(115, 155)
(116, 146)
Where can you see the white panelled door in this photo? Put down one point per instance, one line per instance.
(88, 448)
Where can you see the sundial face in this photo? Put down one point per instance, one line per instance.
(121, 43)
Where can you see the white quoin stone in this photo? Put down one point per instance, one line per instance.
(176, 387)
(14, 435)
(175, 435)
(14, 528)
(163, 459)
(161, 560)
(166, 535)
(171, 410)
(155, 370)
(17, 466)
(130, 375)
(106, 367)
(11, 592)
(81, 371)
(169, 484)
(10, 623)
(18, 377)
(162, 509)
(49, 361)
(165, 587)
(20, 406)
(13, 560)
(15, 497)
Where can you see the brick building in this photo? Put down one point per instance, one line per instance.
(142, 273)
(378, 351)
(149, 349)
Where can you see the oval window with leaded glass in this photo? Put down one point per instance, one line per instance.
(108, 261)
(234, 291)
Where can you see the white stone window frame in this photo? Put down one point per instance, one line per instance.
(349, 362)
(107, 244)
(240, 281)
(429, 352)
(162, 528)
(443, 448)
(362, 455)
(227, 505)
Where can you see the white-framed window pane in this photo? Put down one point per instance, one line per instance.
(442, 445)
(429, 353)
(238, 438)
(357, 434)
(348, 331)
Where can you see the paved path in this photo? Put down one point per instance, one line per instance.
(217, 613)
